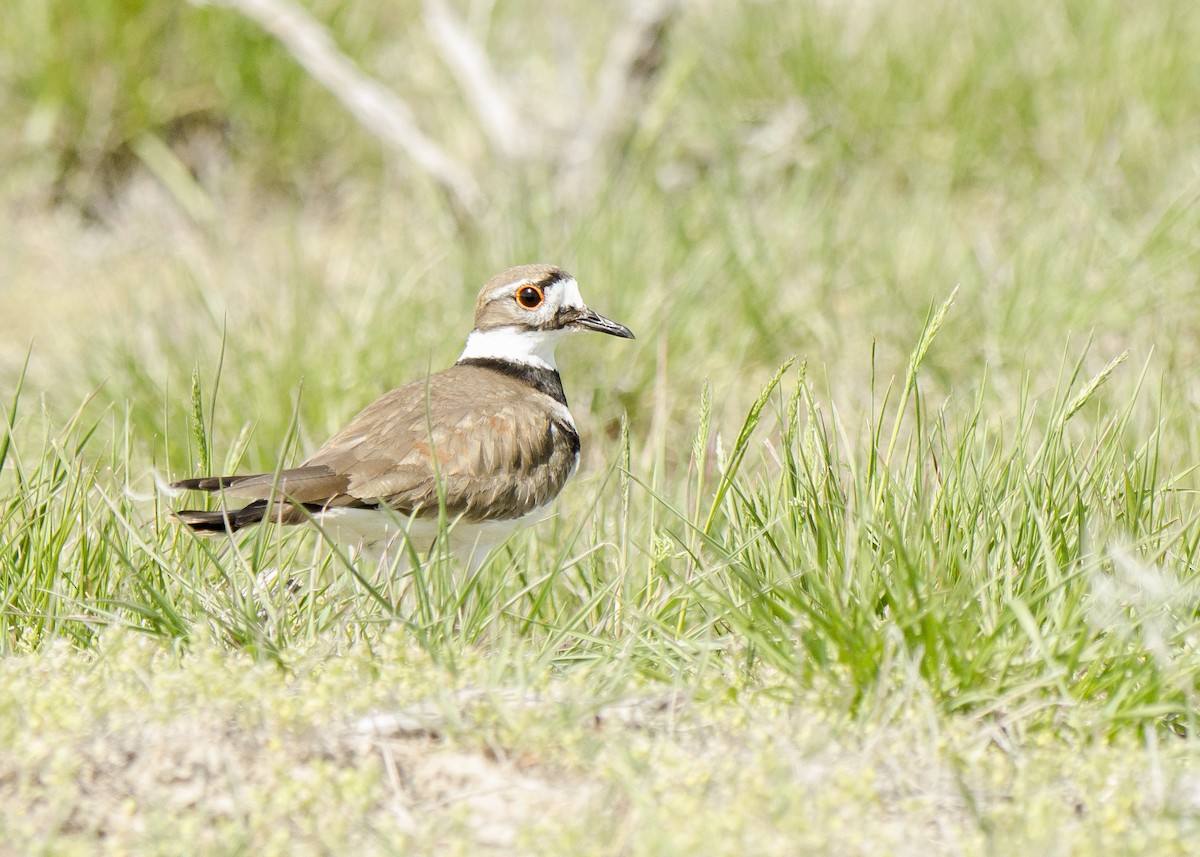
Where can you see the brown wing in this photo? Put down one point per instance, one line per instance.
(497, 447)
(472, 429)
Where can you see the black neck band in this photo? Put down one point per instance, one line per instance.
(541, 378)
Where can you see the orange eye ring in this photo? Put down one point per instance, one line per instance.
(530, 297)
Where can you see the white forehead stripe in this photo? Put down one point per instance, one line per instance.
(570, 295)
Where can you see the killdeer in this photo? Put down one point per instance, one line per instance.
(489, 439)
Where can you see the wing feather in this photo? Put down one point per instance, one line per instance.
(494, 455)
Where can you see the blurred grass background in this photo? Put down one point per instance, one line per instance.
(204, 248)
(822, 174)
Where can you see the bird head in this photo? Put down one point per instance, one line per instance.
(522, 313)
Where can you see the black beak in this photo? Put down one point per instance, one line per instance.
(589, 320)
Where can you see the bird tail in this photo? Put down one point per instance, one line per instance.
(292, 496)
(222, 521)
(210, 483)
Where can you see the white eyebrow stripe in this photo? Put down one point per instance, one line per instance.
(506, 290)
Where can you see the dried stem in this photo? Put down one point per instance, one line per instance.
(633, 57)
(469, 63)
(377, 108)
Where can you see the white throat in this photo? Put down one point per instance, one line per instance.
(514, 345)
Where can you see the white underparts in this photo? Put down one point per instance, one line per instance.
(387, 539)
(514, 345)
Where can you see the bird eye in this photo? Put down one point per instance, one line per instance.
(530, 297)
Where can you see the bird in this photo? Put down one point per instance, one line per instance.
(489, 440)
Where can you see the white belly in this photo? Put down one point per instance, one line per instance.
(384, 537)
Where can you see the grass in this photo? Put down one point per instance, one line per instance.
(888, 514)
(161, 746)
